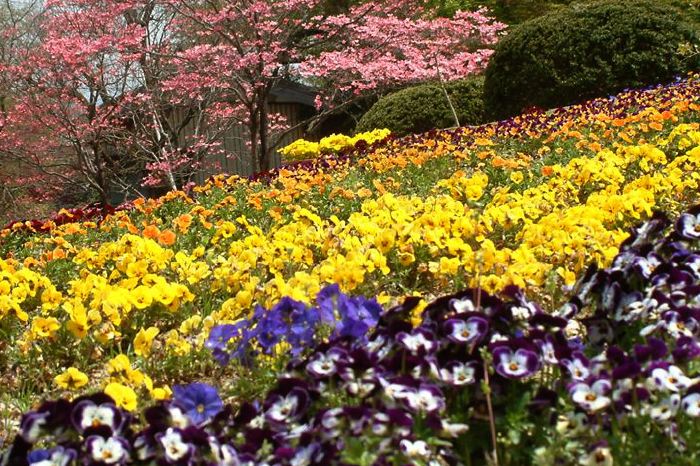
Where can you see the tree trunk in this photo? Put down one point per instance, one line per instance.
(254, 162)
(264, 156)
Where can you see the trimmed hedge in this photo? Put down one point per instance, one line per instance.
(421, 108)
(586, 51)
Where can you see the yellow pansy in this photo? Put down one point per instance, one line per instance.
(144, 340)
(71, 379)
(123, 396)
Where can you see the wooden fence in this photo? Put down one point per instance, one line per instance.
(236, 156)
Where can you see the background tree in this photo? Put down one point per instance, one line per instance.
(93, 100)
(249, 46)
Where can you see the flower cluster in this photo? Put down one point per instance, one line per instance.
(132, 298)
(302, 149)
(623, 348)
(293, 325)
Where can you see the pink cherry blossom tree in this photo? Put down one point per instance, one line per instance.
(247, 47)
(89, 110)
(93, 101)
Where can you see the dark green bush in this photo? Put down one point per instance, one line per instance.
(421, 108)
(585, 51)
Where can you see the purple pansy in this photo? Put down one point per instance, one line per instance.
(591, 397)
(515, 363)
(459, 373)
(110, 450)
(87, 414)
(578, 366)
(175, 448)
(468, 331)
(58, 456)
(199, 401)
(688, 226)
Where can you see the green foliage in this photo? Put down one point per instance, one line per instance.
(421, 108)
(507, 11)
(585, 51)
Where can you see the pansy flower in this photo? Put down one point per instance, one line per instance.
(692, 262)
(426, 398)
(225, 455)
(665, 409)
(688, 226)
(459, 373)
(671, 379)
(199, 401)
(515, 363)
(598, 455)
(111, 450)
(219, 338)
(87, 414)
(359, 381)
(420, 341)
(691, 404)
(466, 331)
(51, 417)
(591, 397)
(174, 447)
(287, 408)
(578, 366)
(414, 449)
(461, 305)
(57, 456)
(322, 364)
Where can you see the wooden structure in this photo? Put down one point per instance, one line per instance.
(294, 101)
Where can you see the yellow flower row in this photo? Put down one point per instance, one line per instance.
(302, 149)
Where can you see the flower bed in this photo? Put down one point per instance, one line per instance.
(613, 369)
(127, 303)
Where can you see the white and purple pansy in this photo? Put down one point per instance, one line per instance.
(427, 398)
(670, 378)
(461, 305)
(87, 414)
(225, 455)
(692, 262)
(111, 450)
(688, 226)
(468, 331)
(58, 456)
(597, 455)
(175, 448)
(459, 373)
(414, 449)
(283, 408)
(599, 330)
(549, 354)
(523, 311)
(665, 409)
(591, 397)
(419, 341)
(33, 425)
(177, 417)
(578, 366)
(358, 382)
(396, 389)
(646, 265)
(514, 360)
(322, 365)
(691, 404)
